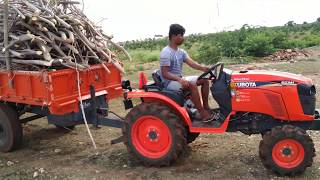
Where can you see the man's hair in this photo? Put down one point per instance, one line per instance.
(176, 29)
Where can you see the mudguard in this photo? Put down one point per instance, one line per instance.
(156, 97)
(181, 111)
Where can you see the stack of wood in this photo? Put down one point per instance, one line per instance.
(287, 55)
(55, 34)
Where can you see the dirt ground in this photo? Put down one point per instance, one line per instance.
(49, 153)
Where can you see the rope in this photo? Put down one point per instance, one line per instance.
(82, 108)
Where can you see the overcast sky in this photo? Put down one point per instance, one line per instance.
(139, 19)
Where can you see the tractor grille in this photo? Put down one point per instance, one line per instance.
(277, 106)
(307, 96)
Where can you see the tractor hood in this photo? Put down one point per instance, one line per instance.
(284, 78)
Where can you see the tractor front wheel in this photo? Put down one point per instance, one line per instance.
(154, 135)
(287, 150)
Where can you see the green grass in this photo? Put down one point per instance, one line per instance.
(141, 61)
(144, 56)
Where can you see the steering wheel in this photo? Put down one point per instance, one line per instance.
(214, 72)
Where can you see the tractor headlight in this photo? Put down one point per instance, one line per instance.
(306, 90)
(307, 98)
(313, 90)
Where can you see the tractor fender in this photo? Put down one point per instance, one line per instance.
(156, 97)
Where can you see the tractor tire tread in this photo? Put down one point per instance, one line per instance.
(282, 132)
(163, 112)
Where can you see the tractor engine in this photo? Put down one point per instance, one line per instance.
(281, 95)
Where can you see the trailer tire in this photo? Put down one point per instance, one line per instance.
(10, 129)
(154, 135)
(286, 150)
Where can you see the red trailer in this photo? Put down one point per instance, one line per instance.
(58, 90)
(55, 94)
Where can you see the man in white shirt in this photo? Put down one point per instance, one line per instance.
(171, 61)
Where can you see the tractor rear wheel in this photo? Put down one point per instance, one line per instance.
(286, 150)
(10, 129)
(154, 135)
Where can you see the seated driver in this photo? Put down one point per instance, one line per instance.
(171, 61)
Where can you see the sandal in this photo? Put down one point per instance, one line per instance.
(213, 117)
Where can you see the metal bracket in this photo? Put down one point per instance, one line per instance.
(118, 140)
(94, 107)
(317, 114)
(127, 104)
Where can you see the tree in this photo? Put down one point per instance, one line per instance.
(290, 24)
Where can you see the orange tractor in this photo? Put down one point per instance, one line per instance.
(280, 106)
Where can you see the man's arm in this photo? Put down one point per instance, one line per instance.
(196, 65)
(167, 75)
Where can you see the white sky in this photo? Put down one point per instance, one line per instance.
(139, 19)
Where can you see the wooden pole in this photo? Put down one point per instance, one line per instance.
(6, 40)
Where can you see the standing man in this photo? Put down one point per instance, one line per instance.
(171, 61)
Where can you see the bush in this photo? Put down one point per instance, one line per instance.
(258, 45)
(294, 43)
(229, 44)
(208, 54)
(312, 40)
(279, 39)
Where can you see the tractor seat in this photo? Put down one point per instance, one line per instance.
(157, 78)
(158, 87)
(159, 83)
(178, 96)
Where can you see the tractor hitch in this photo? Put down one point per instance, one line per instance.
(118, 140)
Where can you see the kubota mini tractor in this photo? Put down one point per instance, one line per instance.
(278, 105)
